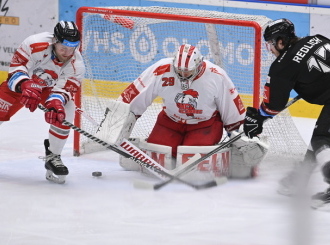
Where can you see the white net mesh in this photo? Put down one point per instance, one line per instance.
(119, 43)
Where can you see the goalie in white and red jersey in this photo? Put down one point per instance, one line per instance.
(199, 100)
(46, 69)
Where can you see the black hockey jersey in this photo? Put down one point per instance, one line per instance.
(305, 68)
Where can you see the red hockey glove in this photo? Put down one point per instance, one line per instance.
(56, 112)
(253, 122)
(31, 93)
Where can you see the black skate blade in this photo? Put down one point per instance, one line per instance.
(320, 205)
(58, 179)
(321, 201)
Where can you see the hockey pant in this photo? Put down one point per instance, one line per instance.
(10, 105)
(170, 133)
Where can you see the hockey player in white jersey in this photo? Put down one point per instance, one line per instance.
(199, 100)
(47, 68)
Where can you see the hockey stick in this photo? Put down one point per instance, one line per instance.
(143, 163)
(230, 141)
(147, 185)
(140, 159)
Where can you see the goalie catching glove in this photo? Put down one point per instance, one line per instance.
(248, 152)
(56, 112)
(253, 122)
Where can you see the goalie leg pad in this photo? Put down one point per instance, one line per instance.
(160, 153)
(117, 124)
(217, 165)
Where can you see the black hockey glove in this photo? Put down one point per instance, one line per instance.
(253, 122)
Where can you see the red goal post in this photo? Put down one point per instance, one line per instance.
(119, 43)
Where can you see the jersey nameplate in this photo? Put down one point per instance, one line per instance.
(305, 49)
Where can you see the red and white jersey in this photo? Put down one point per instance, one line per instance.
(35, 58)
(211, 91)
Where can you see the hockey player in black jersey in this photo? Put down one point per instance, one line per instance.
(302, 65)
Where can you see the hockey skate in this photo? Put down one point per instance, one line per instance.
(56, 170)
(287, 185)
(321, 200)
(294, 183)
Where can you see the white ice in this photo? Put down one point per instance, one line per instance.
(109, 211)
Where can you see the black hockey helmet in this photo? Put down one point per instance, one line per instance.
(67, 33)
(281, 28)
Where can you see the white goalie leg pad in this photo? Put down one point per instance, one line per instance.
(127, 163)
(216, 165)
(160, 153)
(246, 155)
(117, 124)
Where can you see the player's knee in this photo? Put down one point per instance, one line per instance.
(323, 158)
(326, 172)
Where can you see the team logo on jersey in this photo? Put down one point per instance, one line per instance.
(160, 70)
(38, 47)
(239, 105)
(4, 105)
(48, 76)
(187, 102)
(129, 93)
(266, 94)
(214, 70)
(232, 90)
(72, 85)
(19, 59)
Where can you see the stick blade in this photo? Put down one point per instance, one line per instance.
(142, 184)
(221, 180)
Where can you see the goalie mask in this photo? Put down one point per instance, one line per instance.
(187, 64)
(67, 33)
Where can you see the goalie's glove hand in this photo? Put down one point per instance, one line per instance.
(253, 122)
(31, 93)
(56, 112)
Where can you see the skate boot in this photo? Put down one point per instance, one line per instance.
(294, 183)
(296, 180)
(321, 200)
(288, 184)
(56, 170)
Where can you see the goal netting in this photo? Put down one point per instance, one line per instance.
(118, 43)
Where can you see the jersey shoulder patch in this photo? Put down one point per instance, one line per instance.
(39, 47)
(160, 70)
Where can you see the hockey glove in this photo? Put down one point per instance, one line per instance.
(31, 93)
(253, 122)
(56, 112)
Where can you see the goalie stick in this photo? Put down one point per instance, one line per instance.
(149, 163)
(222, 146)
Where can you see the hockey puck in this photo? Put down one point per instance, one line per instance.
(97, 174)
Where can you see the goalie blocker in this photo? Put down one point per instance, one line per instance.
(241, 160)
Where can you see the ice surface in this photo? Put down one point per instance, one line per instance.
(108, 210)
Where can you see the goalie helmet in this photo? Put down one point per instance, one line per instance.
(281, 28)
(187, 62)
(67, 33)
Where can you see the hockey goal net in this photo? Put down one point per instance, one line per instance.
(119, 43)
